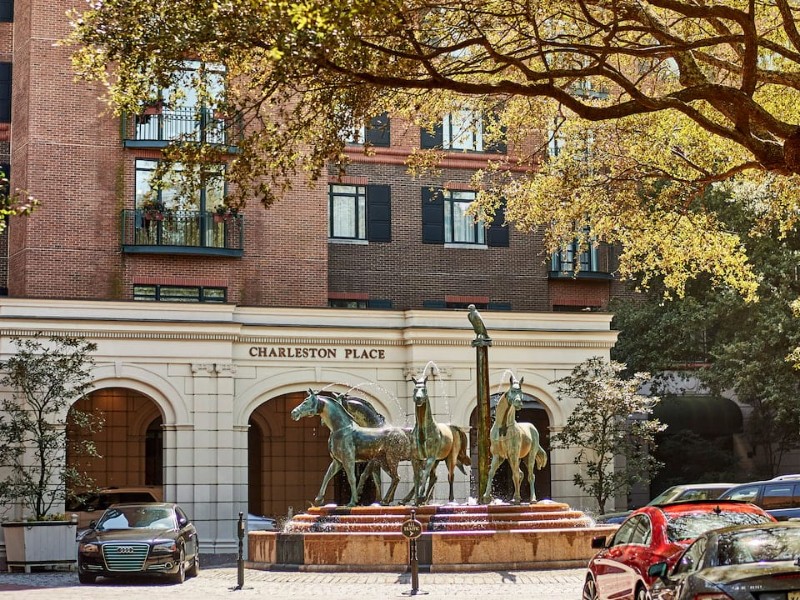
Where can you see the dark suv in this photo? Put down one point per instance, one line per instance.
(779, 497)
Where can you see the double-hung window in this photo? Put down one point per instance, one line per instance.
(359, 212)
(445, 220)
(348, 212)
(462, 130)
(460, 227)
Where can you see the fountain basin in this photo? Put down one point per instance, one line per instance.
(455, 538)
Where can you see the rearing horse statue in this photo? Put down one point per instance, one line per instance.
(513, 442)
(350, 443)
(434, 442)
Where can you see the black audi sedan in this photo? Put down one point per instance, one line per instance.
(149, 538)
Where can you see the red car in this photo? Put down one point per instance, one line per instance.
(657, 534)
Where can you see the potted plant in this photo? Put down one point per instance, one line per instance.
(43, 379)
(225, 213)
(153, 210)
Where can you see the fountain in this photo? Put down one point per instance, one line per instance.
(490, 535)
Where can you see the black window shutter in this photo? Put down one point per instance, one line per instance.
(378, 131)
(497, 236)
(5, 188)
(379, 213)
(432, 216)
(6, 11)
(5, 92)
(433, 139)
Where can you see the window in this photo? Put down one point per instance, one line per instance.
(5, 92)
(175, 293)
(207, 193)
(183, 111)
(6, 11)
(359, 303)
(377, 133)
(462, 130)
(359, 212)
(445, 220)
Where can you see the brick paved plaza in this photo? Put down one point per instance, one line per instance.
(219, 582)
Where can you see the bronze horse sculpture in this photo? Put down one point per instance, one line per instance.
(350, 443)
(434, 442)
(514, 442)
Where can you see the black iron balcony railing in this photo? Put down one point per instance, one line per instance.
(156, 127)
(599, 262)
(182, 232)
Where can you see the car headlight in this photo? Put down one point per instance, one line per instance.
(165, 548)
(89, 549)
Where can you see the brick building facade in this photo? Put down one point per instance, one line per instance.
(93, 260)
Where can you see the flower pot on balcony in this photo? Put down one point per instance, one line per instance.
(40, 543)
(153, 109)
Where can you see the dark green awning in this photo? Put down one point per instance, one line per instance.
(705, 415)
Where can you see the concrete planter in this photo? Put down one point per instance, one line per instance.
(40, 543)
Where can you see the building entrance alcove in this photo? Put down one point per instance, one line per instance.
(130, 444)
(503, 485)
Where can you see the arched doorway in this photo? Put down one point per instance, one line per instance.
(130, 444)
(287, 461)
(503, 486)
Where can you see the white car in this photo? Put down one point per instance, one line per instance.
(91, 505)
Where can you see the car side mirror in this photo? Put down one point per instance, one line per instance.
(92, 524)
(658, 569)
(599, 542)
(182, 522)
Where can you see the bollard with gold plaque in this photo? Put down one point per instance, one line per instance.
(412, 529)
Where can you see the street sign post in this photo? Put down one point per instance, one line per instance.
(412, 529)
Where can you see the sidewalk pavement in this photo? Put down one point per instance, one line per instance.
(221, 582)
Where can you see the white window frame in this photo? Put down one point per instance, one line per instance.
(347, 212)
(463, 130)
(459, 226)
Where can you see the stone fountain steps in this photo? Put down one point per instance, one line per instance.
(542, 515)
(454, 538)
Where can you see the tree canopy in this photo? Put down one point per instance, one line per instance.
(655, 101)
(717, 339)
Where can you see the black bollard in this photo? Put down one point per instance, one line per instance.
(240, 558)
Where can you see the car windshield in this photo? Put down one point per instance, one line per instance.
(136, 517)
(684, 526)
(758, 545)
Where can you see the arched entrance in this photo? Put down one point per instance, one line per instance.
(503, 486)
(130, 443)
(288, 460)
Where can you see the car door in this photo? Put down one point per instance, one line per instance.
(781, 499)
(188, 532)
(618, 568)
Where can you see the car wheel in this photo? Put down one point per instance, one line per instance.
(195, 568)
(642, 593)
(86, 577)
(590, 589)
(180, 576)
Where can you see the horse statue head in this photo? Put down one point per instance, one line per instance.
(514, 394)
(312, 405)
(362, 411)
(420, 390)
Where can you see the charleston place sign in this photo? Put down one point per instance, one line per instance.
(307, 352)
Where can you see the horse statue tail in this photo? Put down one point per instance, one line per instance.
(462, 458)
(541, 458)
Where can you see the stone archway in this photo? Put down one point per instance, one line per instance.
(130, 444)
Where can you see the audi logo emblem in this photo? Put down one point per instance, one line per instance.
(125, 550)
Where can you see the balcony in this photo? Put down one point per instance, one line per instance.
(182, 232)
(599, 262)
(157, 127)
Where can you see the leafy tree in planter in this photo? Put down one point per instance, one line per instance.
(44, 379)
(611, 420)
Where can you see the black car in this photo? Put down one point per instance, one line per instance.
(150, 538)
(737, 563)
